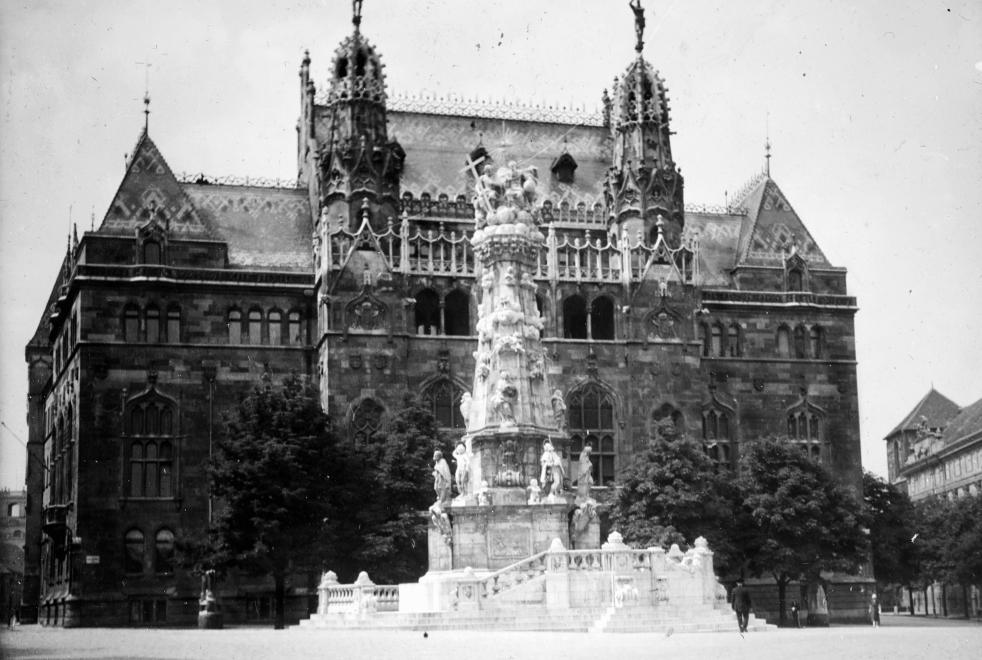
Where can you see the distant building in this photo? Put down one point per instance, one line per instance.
(729, 321)
(13, 527)
(936, 450)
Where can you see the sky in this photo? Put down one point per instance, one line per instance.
(873, 108)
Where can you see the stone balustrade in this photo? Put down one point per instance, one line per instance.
(363, 597)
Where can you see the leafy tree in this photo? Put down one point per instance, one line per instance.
(388, 490)
(949, 541)
(273, 469)
(965, 550)
(804, 521)
(672, 492)
(891, 525)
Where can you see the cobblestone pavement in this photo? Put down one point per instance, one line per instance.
(897, 639)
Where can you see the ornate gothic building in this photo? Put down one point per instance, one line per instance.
(732, 322)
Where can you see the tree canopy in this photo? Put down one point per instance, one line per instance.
(892, 526)
(672, 492)
(273, 470)
(804, 521)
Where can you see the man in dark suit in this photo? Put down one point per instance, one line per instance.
(741, 605)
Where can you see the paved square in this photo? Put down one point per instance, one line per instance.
(899, 638)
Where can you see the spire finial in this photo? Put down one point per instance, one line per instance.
(146, 95)
(767, 145)
(638, 10)
(356, 13)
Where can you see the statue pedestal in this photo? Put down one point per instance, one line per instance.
(492, 537)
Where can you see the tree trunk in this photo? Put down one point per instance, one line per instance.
(944, 599)
(279, 580)
(782, 584)
(965, 601)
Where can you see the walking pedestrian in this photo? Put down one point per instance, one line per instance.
(741, 605)
(874, 611)
(795, 621)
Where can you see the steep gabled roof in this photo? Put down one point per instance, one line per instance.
(773, 228)
(149, 182)
(935, 407)
(967, 423)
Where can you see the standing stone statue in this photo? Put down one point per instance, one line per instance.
(552, 469)
(462, 472)
(504, 399)
(465, 408)
(441, 480)
(584, 478)
(558, 410)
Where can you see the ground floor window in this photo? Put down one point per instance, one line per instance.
(258, 608)
(145, 611)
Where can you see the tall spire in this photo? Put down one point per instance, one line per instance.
(146, 96)
(635, 5)
(356, 13)
(767, 146)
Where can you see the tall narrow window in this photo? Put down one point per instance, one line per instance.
(795, 280)
(131, 323)
(783, 342)
(816, 337)
(151, 253)
(153, 324)
(590, 413)
(733, 344)
(716, 343)
(457, 313)
(164, 552)
(134, 550)
(275, 319)
(295, 328)
(805, 428)
(444, 399)
(704, 339)
(800, 342)
(716, 435)
(574, 317)
(234, 326)
(255, 326)
(427, 312)
(151, 423)
(602, 318)
(174, 324)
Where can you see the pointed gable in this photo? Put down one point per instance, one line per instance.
(773, 228)
(148, 185)
(935, 408)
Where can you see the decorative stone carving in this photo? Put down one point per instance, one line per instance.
(441, 480)
(462, 472)
(534, 492)
(537, 366)
(584, 477)
(662, 325)
(558, 410)
(365, 313)
(552, 472)
(504, 399)
(465, 407)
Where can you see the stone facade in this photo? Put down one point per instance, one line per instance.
(730, 321)
(13, 525)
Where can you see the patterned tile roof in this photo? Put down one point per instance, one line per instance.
(718, 237)
(264, 227)
(938, 410)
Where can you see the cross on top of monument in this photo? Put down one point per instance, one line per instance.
(479, 186)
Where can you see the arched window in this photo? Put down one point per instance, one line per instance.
(784, 342)
(704, 339)
(800, 342)
(14, 510)
(806, 428)
(163, 556)
(590, 416)
(796, 280)
(733, 342)
(131, 323)
(295, 328)
(716, 342)
(151, 253)
(153, 324)
(234, 326)
(134, 550)
(716, 435)
(457, 313)
(427, 312)
(444, 400)
(667, 421)
(366, 417)
(255, 326)
(275, 319)
(602, 318)
(174, 324)
(151, 424)
(574, 317)
(816, 340)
